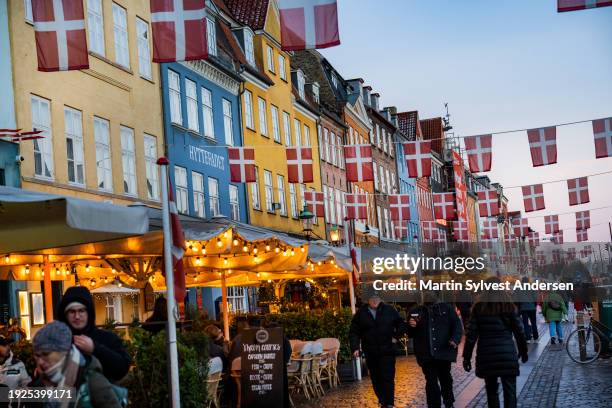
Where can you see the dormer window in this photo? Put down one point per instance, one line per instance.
(315, 91)
(301, 83)
(211, 36)
(249, 51)
(334, 80)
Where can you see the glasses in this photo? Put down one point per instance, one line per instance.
(74, 312)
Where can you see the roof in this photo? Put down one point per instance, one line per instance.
(249, 12)
(433, 130)
(408, 123)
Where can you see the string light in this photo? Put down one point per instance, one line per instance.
(92, 282)
(302, 248)
(258, 274)
(57, 271)
(198, 261)
(225, 234)
(319, 263)
(219, 242)
(277, 249)
(235, 242)
(255, 251)
(195, 279)
(203, 250)
(292, 252)
(284, 253)
(225, 261)
(332, 262)
(7, 258)
(27, 269)
(245, 248)
(106, 279)
(113, 270)
(267, 247)
(87, 268)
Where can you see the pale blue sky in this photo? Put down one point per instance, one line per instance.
(500, 65)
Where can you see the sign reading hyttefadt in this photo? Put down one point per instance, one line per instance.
(262, 368)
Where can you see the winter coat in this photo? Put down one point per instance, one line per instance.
(496, 353)
(108, 347)
(437, 325)
(553, 315)
(13, 373)
(376, 335)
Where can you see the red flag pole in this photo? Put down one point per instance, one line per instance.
(171, 302)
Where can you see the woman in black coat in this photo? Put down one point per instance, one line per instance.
(493, 324)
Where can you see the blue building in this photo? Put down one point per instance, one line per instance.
(202, 118)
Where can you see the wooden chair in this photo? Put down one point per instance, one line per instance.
(298, 372)
(329, 371)
(315, 369)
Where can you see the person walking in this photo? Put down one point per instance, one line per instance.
(374, 327)
(436, 331)
(77, 310)
(493, 323)
(13, 373)
(527, 308)
(554, 309)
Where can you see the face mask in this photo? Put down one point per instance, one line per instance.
(54, 373)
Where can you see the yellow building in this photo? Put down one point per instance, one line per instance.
(102, 126)
(276, 113)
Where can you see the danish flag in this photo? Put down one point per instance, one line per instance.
(534, 239)
(299, 164)
(440, 236)
(520, 226)
(488, 203)
(315, 202)
(356, 206)
(400, 207)
(460, 231)
(444, 206)
(543, 146)
(418, 158)
(582, 235)
(242, 164)
(490, 229)
(430, 231)
(478, 149)
(583, 220)
(557, 237)
(59, 30)
(602, 132)
(486, 243)
(578, 190)
(179, 30)
(307, 24)
(533, 197)
(401, 229)
(571, 253)
(551, 224)
(573, 5)
(556, 256)
(358, 159)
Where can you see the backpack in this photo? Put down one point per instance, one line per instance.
(84, 399)
(554, 305)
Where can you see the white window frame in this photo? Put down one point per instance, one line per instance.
(73, 124)
(181, 188)
(333, 148)
(275, 123)
(255, 196)
(234, 202)
(95, 26)
(151, 169)
(191, 94)
(249, 49)
(293, 201)
(320, 141)
(174, 95)
(280, 181)
(269, 189)
(104, 169)
(43, 148)
(340, 151)
(199, 201)
(270, 58)
(306, 138)
(326, 145)
(228, 122)
(128, 161)
(144, 48)
(282, 67)
(237, 300)
(248, 109)
(211, 36)
(27, 11)
(213, 196)
(120, 31)
(263, 119)
(339, 206)
(207, 113)
(301, 84)
(298, 131)
(287, 128)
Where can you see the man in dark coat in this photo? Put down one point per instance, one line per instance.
(436, 331)
(77, 310)
(374, 326)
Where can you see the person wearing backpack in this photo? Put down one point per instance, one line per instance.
(554, 309)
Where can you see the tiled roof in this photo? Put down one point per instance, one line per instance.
(250, 12)
(408, 123)
(432, 130)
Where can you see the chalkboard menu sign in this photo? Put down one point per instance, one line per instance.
(262, 368)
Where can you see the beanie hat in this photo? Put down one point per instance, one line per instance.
(74, 304)
(54, 336)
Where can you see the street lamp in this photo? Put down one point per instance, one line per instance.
(334, 235)
(307, 219)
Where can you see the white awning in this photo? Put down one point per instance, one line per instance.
(110, 288)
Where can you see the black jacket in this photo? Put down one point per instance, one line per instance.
(376, 336)
(437, 325)
(497, 354)
(108, 347)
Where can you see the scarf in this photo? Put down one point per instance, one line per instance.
(65, 372)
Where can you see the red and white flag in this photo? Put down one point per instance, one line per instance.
(178, 249)
(571, 253)
(578, 190)
(478, 149)
(400, 207)
(315, 202)
(440, 236)
(602, 132)
(488, 203)
(490, 229)
(557, 237)
(520, 226)
(418, 158)
(543, 146)
(583, 220)
(460, 231)
(356, 206)
(582, 235)
(358, 159)
(533, 197)
(59, 30)
(556, 256)
(430, 231)
(573, 5)
(551, 224)
(534, 239)
(242, 164)
(307, 24)
(299, 165)
(179, 30)
(444, 206)
(401, 229)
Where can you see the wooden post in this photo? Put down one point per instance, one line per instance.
(48, 289)
(224, 308)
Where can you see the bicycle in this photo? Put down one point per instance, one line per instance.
(584, 345)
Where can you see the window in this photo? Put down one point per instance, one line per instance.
(113, 308)
(327, 203)
(197, 182)
(192, 105)
(207, 113)
(228, 123)
(180, 179)
(301, 83)
(237, 300)
(248, 109)
(122, 48)
(293, 200)
(334, 80)
(213, 196)
(270, 58)
(306, 136)
(326, 144)
(128, 156)
(211, 36)
(27, 6)
(375, 171)
(287, 128)
(43, 148)
(333, 148)
(275, 124)
(315, 91)
(263, 123)
(282, 69)
(255, 191)
(315, 220)
(280, 181)
(74, 145)
(298, 132)
(320, 141)
(234, 203)
(269, 190)
(249, 51)
(174, 85)
(152, 173)
(103, 155)
(144, 54)
(340, 151)
(339, 206)
(95, 25)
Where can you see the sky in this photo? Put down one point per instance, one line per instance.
(500, 66)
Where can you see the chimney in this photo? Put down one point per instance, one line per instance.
(391, 114)
(367, 90)
(374, 104)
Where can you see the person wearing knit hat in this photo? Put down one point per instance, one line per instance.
(13, 373)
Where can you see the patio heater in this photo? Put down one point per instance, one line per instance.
(307, 220)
